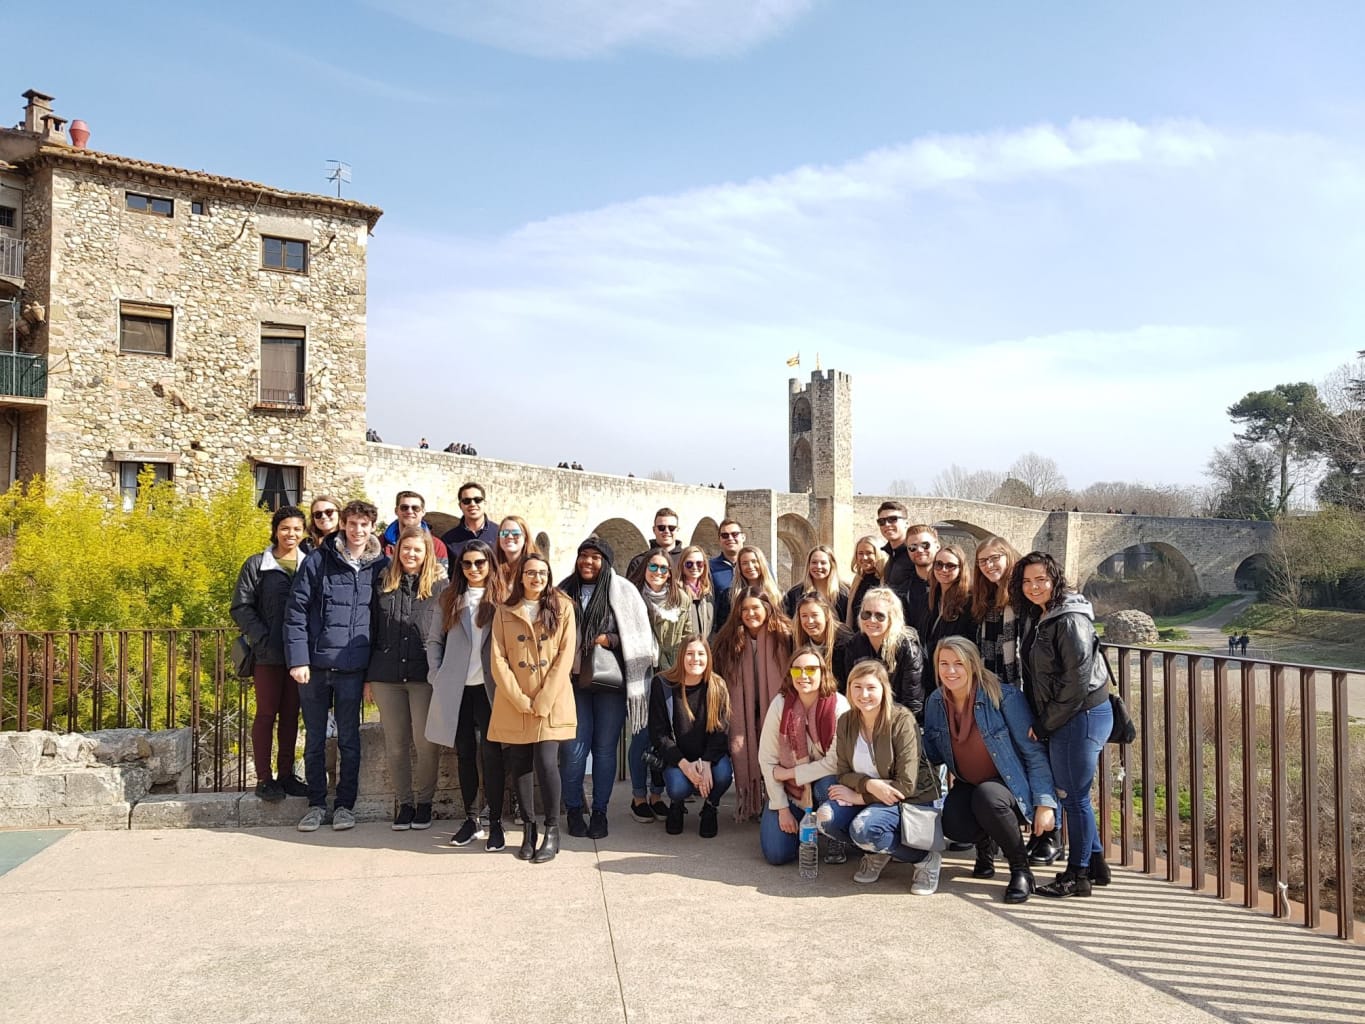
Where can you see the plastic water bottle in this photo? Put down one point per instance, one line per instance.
(809, 858)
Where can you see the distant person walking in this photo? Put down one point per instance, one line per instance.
(1243, 642)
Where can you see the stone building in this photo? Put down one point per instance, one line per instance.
(159, 316)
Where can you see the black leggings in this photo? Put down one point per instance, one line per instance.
(972, 813)
(543, 758)
(470, 730)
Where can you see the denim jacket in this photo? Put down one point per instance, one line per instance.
(1021, 761)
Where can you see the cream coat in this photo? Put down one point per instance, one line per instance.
(534, 696)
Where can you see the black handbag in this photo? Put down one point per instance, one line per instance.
(243, 657)
(1123, 730)
(608, 674)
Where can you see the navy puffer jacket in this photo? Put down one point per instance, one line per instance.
(327, 620)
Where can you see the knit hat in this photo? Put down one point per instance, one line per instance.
(596, 543)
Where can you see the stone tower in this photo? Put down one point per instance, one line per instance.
(820, 453)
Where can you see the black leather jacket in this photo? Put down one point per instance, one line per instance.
(258, 606)
(907, 682)
(1063, 674)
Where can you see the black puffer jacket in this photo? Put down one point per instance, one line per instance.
(907, 682)
(258, 606)
(397, 632)
(1062, 673)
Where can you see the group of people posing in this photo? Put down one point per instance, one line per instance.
(851, 697)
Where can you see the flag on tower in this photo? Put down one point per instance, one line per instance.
(795, 360)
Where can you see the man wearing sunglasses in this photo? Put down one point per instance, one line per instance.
(909, 554)
(408, 509)
(723, 567)
(665, 540)
(474, 523)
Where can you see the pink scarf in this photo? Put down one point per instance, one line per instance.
(755, 679)
(793, 738)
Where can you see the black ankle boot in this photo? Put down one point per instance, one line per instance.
(1071, 882)
(1021, 884)
(985, 859)
(1098, 870)
(527, 850)
(549, 846)
(1045, 848)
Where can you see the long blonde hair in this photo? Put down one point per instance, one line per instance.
(896, 630)
(717, 692)
(830, 586)
(874, 668)
(426, 576)
(984, 679)
(766, 583)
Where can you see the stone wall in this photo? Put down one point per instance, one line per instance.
(199, 406)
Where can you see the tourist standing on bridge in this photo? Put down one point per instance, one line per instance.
(797, 756)
(474, 523)
(665, 540)
(407, 597)
(869, 562)
(822, 577)
(324, 519)
(950, 603)
(996, 634)
(752, 652)
(694, 573)
(730, 536)
(610, 680)
(668, 607)
(981, 731)
(258, 606)
(533, 708)
(409, 508)
(879, 764)
(1067, 684)
(752, 572)
(459, 654)
(884, 637)
(513, 548)
(327, 648)
(818, 627)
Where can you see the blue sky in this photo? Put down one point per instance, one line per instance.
(1082, 229)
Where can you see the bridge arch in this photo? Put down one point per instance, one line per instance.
(795, 538)
(706, 534)
(625, 539)
(1151, 576)
(1251, 572)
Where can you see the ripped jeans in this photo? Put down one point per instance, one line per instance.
(875, 828)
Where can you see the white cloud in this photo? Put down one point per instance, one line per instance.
(1140, 277)
(592, 28)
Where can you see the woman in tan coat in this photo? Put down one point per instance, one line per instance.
(533, 640)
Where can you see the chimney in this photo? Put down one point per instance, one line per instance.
(39, 106)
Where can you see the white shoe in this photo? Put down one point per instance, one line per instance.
(342, 819)
(925, 881)
(871, 867)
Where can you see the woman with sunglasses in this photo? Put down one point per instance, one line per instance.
(982, 732)
(869, 563)
(694, 572)
(822, 577)
(689, 713)
(884, 637)
(950, 601)
(752, 652)
(462, 691)
(324, 519)
(797, 756)
(514, 546)
(817, 626)
(397, 676)
(751, 571)
(1067, 685)
(995, 631)
(531, 659)
(667, 607)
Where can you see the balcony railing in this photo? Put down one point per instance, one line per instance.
(279, 387)
(11, 257)
(23, 375)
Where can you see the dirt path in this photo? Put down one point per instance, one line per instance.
(1207, 634)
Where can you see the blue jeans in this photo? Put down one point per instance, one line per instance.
(601, 717)
(639, 774)
(875, 828)
(781, 847)
(340, 691)
(679, 788)
(1074, 753)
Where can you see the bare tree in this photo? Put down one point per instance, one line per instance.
(665, 475)
(1042, 476)
(1015, 492)
(971, 485)
(901, 487)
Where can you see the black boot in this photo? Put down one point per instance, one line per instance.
(1071, 882)
(1045, 848)
(985, 859)
(1021, 884)
(549, 846)
(1098, 870)
(527, 850)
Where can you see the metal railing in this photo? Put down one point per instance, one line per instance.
(1239, 781)
(86, 680)
(283, 387)
(23, 374)
(11, 257)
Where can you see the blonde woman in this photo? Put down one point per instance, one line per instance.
(694, 576)
(751, 570)
(817, 626)
(884, 637)
(869, 565)
(324, 519)
(689, 719)
(822, 577)
(513, 546)
(409, 589)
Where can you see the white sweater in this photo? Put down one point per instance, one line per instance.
(823, 762)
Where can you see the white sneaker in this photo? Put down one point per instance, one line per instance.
(871, 867)
(342, 819)
(925, 880)
(312, 819)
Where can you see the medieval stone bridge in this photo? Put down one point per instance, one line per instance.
(564, 506)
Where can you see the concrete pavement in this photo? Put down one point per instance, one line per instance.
(372, 925)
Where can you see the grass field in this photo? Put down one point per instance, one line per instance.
(1311, 636)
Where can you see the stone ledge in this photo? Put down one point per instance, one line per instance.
(187, 810)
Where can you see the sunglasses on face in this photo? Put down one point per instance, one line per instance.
(656, 569)
(475, 563)
(946, 566)
(693, 565)
(804, 671)
(471, 501)
(504, 534)
(409, 508)
(324, 513)
(873, 616)
(666, 529)
(888, 520)
(923, 545)
(731, 536)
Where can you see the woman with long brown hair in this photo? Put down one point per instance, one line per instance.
(751, 570)
(513, 547)
(996, 634)
(694, 577)
(752, 650)
(817, 625)
(324, 519)
(950, 603)
(822, 577)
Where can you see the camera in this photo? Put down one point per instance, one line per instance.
(652, 760)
